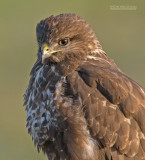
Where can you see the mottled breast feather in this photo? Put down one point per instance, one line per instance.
(43, 118)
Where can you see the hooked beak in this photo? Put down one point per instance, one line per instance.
(47, 51)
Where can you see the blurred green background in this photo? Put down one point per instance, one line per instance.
(121, 33)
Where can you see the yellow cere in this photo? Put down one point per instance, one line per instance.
(45, 47)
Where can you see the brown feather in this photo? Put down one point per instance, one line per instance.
(80, 105)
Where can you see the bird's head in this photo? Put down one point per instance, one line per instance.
(65, 37)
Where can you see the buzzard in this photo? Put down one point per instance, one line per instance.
(80, 105)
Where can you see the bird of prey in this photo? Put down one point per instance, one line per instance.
(80, 105)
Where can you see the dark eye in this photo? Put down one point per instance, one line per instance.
(63, 42)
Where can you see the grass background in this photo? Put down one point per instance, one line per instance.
(121, 33)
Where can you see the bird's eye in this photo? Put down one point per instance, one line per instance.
(63, 42)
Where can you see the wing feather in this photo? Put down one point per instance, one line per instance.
(115, 107)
